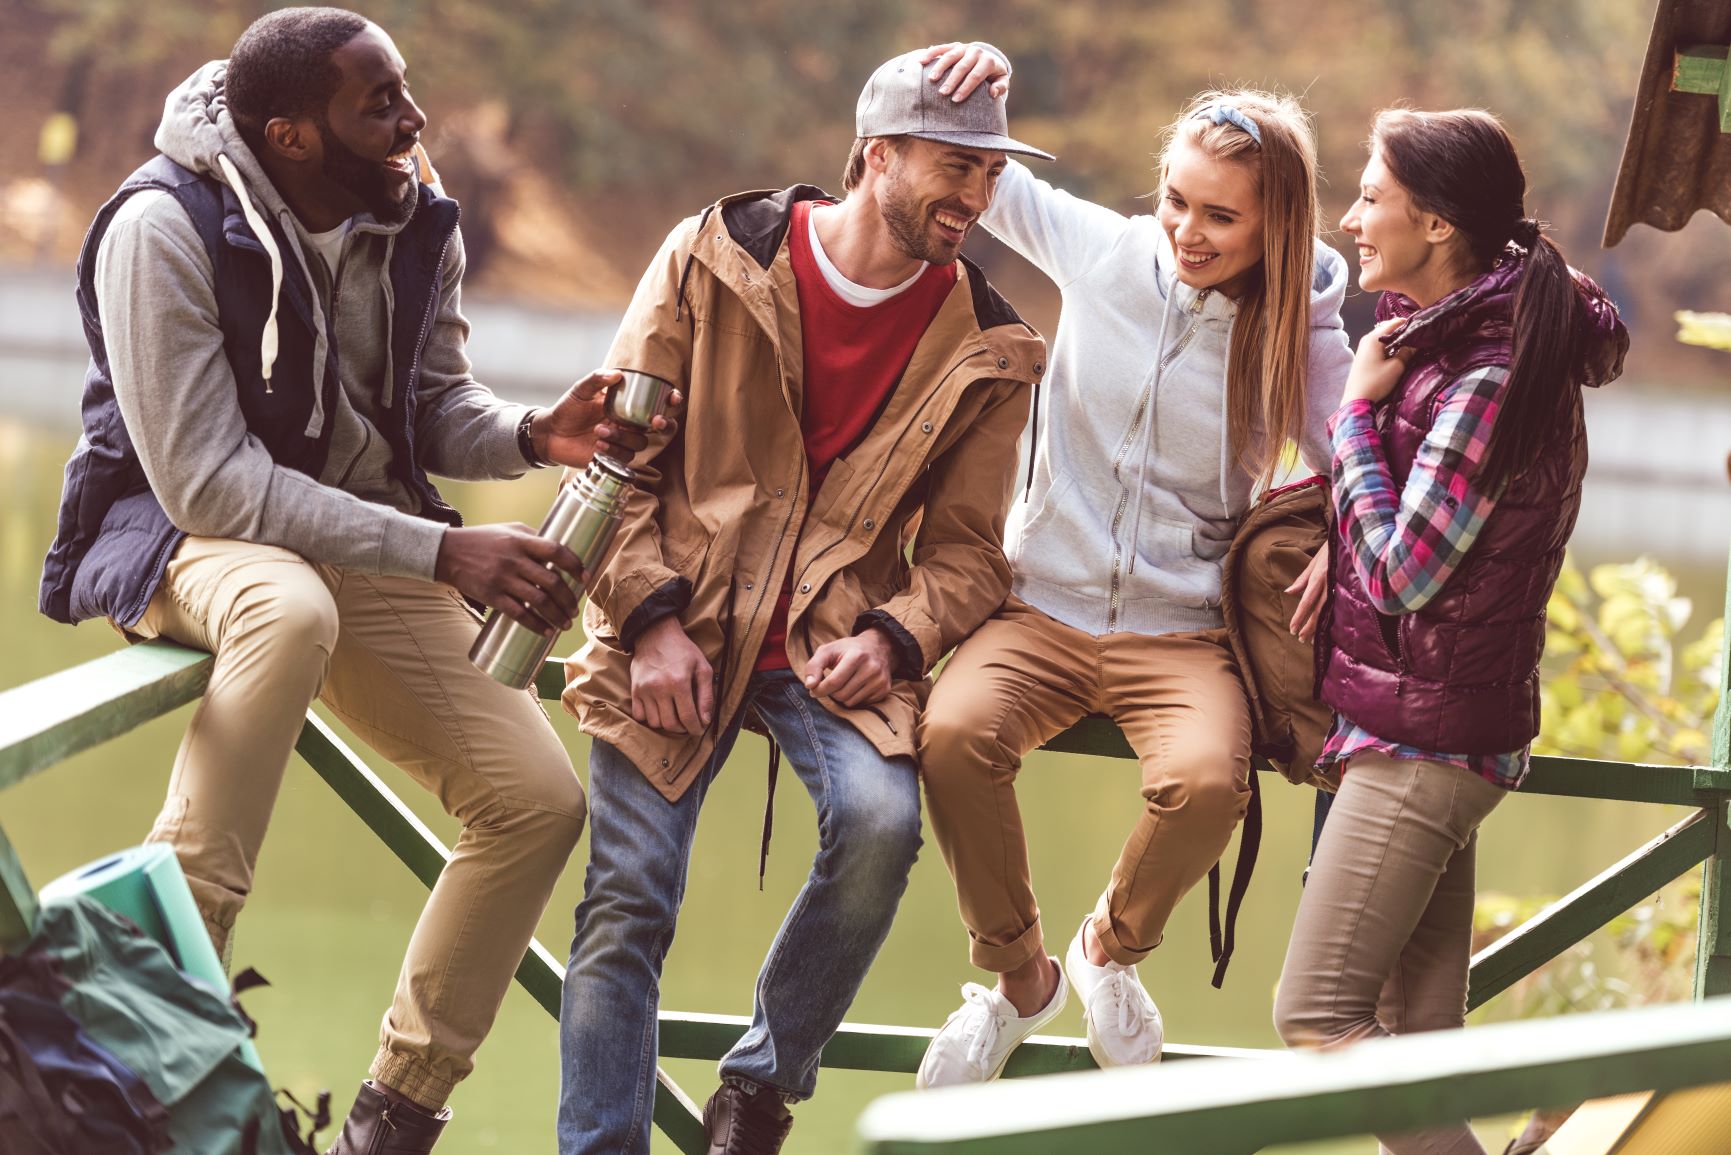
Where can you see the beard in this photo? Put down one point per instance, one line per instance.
(907, 221)
(377, 186)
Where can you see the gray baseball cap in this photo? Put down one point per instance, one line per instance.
(899, 101)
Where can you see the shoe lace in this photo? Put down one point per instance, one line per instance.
(981, 1021)
(1133, 1006)
(756, 1131)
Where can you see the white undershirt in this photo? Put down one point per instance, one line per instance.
(329, 245)
(853, 294)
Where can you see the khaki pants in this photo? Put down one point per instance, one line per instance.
(1383, 937)
(1023, 678)
(389, 656)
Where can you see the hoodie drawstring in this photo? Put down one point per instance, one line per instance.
(267, 342)
(1148, 431)
(1033, 440)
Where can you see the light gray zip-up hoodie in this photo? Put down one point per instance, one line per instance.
(1133, 494)
(155, 289)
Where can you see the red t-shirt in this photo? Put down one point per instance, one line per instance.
(854, 357)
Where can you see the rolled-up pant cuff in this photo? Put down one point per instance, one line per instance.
(410, 1078)
(1115, 948)
(998, 959)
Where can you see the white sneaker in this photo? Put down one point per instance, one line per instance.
(1124, 1027)
(976, 1040)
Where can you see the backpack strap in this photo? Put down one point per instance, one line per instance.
(1221, 942)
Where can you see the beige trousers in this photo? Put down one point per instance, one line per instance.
(1023, 678)
(389, 656)
(1383, 937)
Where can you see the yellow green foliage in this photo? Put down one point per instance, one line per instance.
(1621, 682)
(1712, 330)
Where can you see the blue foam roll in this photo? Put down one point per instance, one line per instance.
(146, 885)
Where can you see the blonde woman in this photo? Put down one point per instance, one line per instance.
(1194, 343)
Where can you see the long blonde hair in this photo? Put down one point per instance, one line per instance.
(1270, 351)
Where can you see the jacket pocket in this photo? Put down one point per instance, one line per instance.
(1168, 566)
(1391, 629)
(1051, 544)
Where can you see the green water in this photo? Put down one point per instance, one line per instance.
(333, 910)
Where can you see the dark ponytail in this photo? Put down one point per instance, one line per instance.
(1462, 166)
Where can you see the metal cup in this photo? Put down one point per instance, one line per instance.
(638, 399)
(585, 516)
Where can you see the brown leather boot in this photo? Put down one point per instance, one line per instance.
(381, 1125)
(740, 1122)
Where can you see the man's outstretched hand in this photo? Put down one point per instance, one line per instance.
(506, 567)
(575, 429)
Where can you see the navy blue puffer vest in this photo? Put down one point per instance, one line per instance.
(113, 540)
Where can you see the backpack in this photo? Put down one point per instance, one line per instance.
(1272, 546)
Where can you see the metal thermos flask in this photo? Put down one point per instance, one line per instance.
(585, 515)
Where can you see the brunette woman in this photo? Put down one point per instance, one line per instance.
(1195, 344)
(1458, 457)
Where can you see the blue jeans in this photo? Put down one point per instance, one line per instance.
(868, 813)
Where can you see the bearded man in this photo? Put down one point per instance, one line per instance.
(278, 363)
(855, 388)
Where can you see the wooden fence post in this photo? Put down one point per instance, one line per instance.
(1713, 944)
(1702, 69)
(17, 900)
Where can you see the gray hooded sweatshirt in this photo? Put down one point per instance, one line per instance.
(1133, 494)
(156, 296)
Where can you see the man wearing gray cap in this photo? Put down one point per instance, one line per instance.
(855, 387)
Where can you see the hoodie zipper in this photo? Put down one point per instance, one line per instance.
(427, 316)
(1143, 406)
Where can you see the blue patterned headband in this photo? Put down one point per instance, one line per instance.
(1227, 114)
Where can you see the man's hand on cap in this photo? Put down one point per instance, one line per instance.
(958, 69)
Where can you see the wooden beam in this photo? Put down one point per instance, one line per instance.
(1698, 69)
(1722, 717)
(1702, 69)
(1589, 907)
(871, 1047)
(1713, 930)
(418, 848)
(678, 1116)
(1387, 1085)
(17, 901)
(1570, 777)
(49, 720)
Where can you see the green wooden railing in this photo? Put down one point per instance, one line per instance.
(1237, 1101)
(1405, 1083)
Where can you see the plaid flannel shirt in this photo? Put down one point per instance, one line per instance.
(1406, 546)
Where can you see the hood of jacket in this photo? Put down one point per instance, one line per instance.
(198, 133)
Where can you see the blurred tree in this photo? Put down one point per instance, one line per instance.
(622, 115)
(1624, 683)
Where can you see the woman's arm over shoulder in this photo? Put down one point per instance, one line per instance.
(1064, 235)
